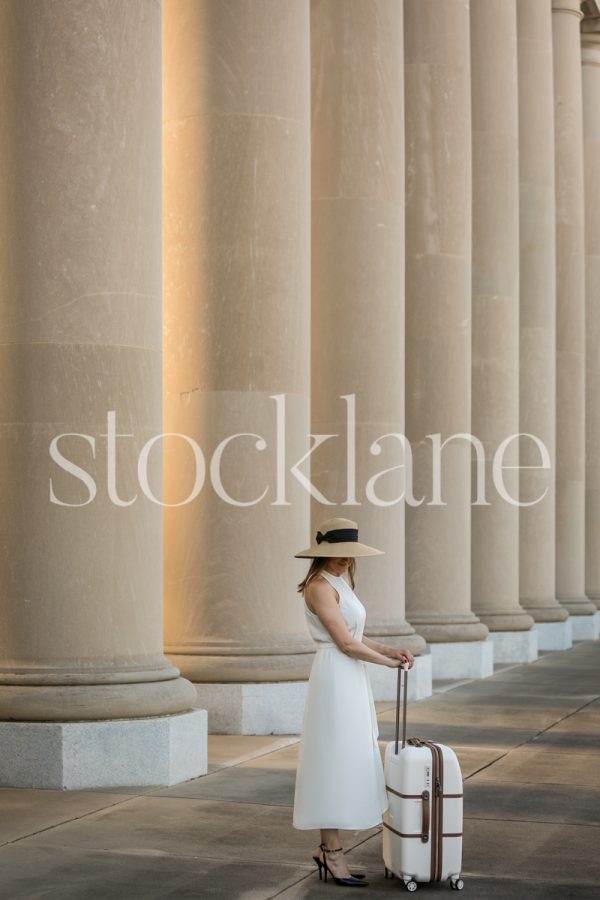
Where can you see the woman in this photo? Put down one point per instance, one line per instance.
(339, 779)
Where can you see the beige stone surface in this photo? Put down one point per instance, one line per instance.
(570, 313)
(488, 715)
(540, 765)
(237, 332)
(438, 315)
(358, 288)
(80, 326)
(537, 311)
(226, 750)
(590, 58)
(495, 308)
(23, 813)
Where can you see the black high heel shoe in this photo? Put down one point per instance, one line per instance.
(319, 862)
(354, 882)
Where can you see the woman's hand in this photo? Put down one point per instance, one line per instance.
(404, 656)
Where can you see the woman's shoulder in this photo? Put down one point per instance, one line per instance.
(315, 586)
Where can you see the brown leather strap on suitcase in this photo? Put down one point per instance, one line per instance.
(425, 825)
(437, 847)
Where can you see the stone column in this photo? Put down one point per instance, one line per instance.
(590, 57)
(438, 334)
(570, 318)
(86, 694)
(358, 298)
(495, 299)
(237, 335)
(537, 363)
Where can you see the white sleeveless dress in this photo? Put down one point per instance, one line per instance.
(339, 779)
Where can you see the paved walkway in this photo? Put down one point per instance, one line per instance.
(528, 740)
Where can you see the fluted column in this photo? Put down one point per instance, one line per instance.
(358, 287)
(237, 334)
(80, 320)
(495, 268)
(570, 316)
(590, 57)
(537, 359)
(438, 317)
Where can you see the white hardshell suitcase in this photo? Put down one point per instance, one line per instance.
(423, 825)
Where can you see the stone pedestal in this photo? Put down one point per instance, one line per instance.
(462, 659)
(585, 628)
(267, 708)
(554, 635)
(162, 750)
(515, 646)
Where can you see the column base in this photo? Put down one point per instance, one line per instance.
(506, 621)
(585, 628)
(578, 606)
(462, 659)
(515, 646)
(554, 635)
(544, 609)
(255, 708)
(438, 628)
(163, 750)
(384, 681)
(100, 702)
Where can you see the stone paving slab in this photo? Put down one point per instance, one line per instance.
(24, 811)
(570, 740)
(543, 686)
(281, 759)
(241, 785)
(557, 803)
(547, 852)
(522, 712)
(215, 829)
(454, 734)
(233, 749)
(40, 873)
(536, 764)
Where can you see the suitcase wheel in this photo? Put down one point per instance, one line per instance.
(411, 885)
(457, 884)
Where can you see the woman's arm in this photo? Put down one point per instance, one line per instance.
(322, 599)
(392, 652)
(375, 645)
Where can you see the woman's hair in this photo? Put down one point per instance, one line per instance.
(317, 564)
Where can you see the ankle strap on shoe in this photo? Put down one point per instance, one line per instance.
(327, 850)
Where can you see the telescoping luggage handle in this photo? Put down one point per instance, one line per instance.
(403, 667)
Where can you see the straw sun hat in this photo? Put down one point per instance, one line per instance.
(338, 537)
